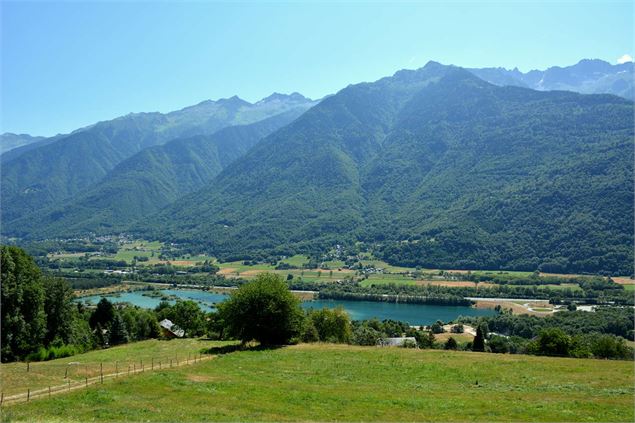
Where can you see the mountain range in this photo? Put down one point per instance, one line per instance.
(9, 141)
(436, 167)
(586, 77)
(49, 175)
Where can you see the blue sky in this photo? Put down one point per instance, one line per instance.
(66, 65)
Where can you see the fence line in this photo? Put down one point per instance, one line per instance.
(99, 379)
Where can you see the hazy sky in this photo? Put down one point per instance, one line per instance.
(66, 65)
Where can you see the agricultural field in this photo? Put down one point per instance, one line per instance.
(325, 382)
(376, 272)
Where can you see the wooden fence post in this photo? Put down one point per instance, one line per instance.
(28, 366)
(66, 373)
(69, 385)
(134, 367)
(49, 391)
(28, 394)
(141, 366)
(1, 398)
(86, 379)
(152, 368)
(116, 369)
(101, 372)
(170, 362)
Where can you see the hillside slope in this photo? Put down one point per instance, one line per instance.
(471, 175)
(48, 175)
(322, 382)
(148, 181)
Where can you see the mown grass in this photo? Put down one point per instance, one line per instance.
(338, 382)
(16, 379)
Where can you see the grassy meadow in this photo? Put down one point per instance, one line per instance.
(16, 379)
(320, 382)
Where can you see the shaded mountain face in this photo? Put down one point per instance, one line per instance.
(586, 77)
(50, 174)
(9, 141)
(148, 181)
(438, 168)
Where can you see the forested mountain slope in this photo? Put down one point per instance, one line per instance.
(148, 181)
(437, 167)
(48, 175)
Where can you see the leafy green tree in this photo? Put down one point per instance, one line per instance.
(60, 310)
(188, 316)
(332, 325)
(141, 324)
(499, 344)
(425, 339)
(609, 346)
(118, 331)
(309, 332)
(101, 335)
(22, 302)
(103, 314)
(263, 310)
(554, 341)
(214, 326)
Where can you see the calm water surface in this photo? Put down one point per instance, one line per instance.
(415, 314)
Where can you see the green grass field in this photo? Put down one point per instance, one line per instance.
(337, 382)
(139, 249)
(15, 378)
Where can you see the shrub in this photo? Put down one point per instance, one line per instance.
(366, 335)
(450, 344)
(437, 327)
(310, 333)
(457, 328)
(51, 353)
(499, 344)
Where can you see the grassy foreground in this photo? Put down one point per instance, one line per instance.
(339, 382)
(15, 379)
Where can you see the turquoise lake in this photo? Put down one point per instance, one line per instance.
(415, 314)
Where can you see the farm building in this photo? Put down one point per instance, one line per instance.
(397, 342)
(170, 330)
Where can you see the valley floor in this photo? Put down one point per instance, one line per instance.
(324, 382)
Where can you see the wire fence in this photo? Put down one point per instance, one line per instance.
(81, 375)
